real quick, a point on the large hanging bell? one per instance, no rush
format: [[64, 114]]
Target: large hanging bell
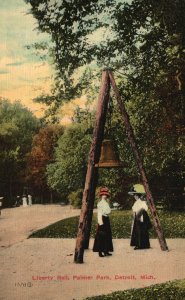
[[109, 156]]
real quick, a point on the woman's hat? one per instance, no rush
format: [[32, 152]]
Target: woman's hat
[[104, 191], [138, 189]]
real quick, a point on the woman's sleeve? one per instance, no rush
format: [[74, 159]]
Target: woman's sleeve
[[134, 208], [145, 206], [100, 219]]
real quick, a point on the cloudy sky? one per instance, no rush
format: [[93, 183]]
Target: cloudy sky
[[22, 74]]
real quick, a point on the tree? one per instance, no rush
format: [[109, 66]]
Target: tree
[[39, 157], [68, 25], [141, 36], [67, 173], [17, 127]]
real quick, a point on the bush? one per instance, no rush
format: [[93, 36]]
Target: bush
[[170, 290], [75, 198]]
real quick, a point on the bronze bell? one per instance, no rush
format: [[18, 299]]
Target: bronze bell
[[109, 156]]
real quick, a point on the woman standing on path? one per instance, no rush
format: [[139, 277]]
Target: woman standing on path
[[141, 222], [103, 239]]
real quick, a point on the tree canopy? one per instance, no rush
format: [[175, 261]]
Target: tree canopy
[[144, 38], [67, 172], [17, 127], [41, 154]]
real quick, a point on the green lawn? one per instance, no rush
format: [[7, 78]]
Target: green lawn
[[174, 290], [173, 224]]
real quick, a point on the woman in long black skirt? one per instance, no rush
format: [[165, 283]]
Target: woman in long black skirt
[[141, 222], [103, 238]]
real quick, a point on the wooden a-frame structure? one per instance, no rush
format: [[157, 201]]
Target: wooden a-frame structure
[[84, 227]]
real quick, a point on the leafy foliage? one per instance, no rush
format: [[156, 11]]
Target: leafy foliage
[[68, 172], [41, 154], [143, 37], [144, 42], [75, 198], [169, 290], [17, 127]]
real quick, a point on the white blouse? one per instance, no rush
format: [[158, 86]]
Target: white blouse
[[103, 210], [138, 205]]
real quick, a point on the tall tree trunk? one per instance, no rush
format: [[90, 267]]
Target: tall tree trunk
[[10, 190], [90, 182], [51, 196], [133, 144]]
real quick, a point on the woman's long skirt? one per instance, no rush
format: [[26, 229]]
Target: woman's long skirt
[[140, 234], [103, 237]]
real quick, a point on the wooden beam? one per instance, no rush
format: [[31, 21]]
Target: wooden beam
[[139, 162], [90, 209], [90, 182]]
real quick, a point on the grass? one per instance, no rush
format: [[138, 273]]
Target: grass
[[172, 290], [173, 224]]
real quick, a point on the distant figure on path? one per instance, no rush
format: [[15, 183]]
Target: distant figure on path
[[29, 200], [24, 201], [103, 239], [141, 221], [17, 202], [1, 204]]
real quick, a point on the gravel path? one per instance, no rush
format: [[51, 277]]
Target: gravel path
[[44, 268], [17, 223]]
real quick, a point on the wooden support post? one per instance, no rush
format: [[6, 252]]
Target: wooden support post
[[133, 144], [90, 209], [90, 183]]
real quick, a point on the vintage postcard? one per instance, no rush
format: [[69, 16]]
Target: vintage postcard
[[92, 143]]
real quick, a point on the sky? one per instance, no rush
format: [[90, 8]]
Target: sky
[[23, 76]]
